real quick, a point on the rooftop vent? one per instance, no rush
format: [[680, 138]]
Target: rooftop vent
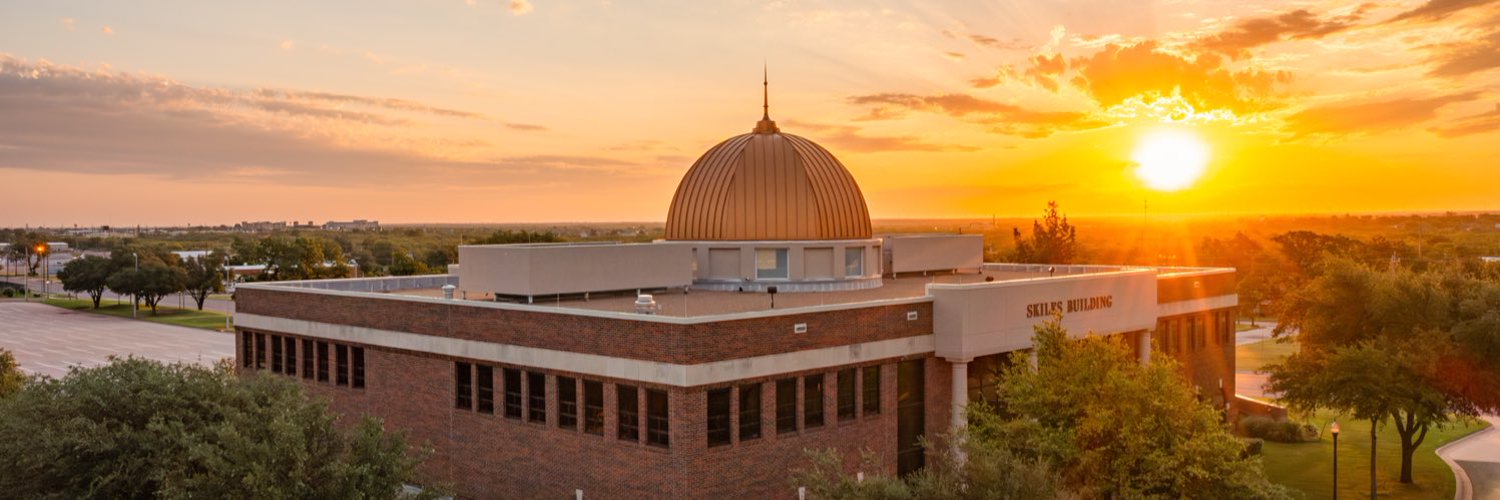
[[448, 291], [646, 304]]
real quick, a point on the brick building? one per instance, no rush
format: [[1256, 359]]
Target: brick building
[[769, 321]]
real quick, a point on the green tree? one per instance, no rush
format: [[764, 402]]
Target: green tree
[[202, 276], [153, 281], [23, 247], [89, 274], [987, 471], [136, 428], [11, 377], [1053, 239], [404, 264]]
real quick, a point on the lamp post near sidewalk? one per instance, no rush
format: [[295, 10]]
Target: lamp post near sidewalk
[[1335, 430]]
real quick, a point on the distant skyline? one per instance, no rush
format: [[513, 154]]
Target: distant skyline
[[176, 112]]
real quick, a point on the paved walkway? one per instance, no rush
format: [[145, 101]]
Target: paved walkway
[[1476, 463], [47, 340], [1248, 382]]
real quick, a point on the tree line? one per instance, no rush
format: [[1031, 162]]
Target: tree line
[[145, 274]]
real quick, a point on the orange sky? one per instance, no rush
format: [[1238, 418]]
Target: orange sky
[[483, 111]]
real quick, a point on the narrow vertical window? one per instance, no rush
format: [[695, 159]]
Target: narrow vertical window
[[872, 390], [307, 358], [567, 403], [593, 407], [718, 417], [486, 379], [658, 430], [322, 361], [629, 401], [854, 262], [536, 397], [512, 392], [247, 349], [463, 386], [812, 401], [749, 411], [275, 354], [358, 366], [260, 350], [291, 355], [846, 394], [786, 405], [342, 366]]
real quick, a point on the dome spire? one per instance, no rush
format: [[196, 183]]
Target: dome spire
[[765, 126]]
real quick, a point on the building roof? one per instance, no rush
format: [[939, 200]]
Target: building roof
[[768, 185]]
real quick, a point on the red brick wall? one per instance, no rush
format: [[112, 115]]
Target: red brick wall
[[645, 340]]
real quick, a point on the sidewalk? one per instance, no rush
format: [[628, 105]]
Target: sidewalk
[[1476, 463]]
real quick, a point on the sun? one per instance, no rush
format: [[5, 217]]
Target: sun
[[1170, 159]]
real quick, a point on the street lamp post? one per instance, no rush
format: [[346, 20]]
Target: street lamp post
[[135, 298], [1372, 460], [41, 253], [1335, 430], [26, 276]]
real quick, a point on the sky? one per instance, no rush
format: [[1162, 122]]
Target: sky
[[188, 112]]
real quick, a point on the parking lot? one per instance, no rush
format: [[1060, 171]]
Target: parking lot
[[47, 340]]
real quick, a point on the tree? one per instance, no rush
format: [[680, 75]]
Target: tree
[[23, 247], [1053, 239], [202, 276], [136, 428], [89, 274], [987, 471], [11, 377], [150, 283]]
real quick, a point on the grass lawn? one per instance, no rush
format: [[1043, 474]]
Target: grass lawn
[[190, 317], [1308, 467]]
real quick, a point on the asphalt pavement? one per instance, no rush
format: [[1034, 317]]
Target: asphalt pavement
[[47, 340], [174, 300]]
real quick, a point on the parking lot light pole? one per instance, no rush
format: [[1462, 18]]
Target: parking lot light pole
[[41, 254], [1335, 430], [134, 298]]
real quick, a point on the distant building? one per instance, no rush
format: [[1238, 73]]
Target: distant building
[[190, 254], [1490, 259], [260, 226], [56, 247], [358, 224]]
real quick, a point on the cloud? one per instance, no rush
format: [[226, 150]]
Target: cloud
[[1435, 10], [526, 127], [288, 45], [997, 116], [956, 56], [848, 138], [1299, 24], [379, 102], [1472, 124], [107, 30], [1120, 72], [69, 24], [988, 41], [520, 7], [1458, 59], [1371, 117]]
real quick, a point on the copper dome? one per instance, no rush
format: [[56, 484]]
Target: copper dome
[[767, 185]]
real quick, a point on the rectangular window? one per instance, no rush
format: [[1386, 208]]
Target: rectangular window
[[260, 351], [247, 348], [567, 403], [749, 411], [854, 261], [812, 401], [629, 400], [486, 399], [290, 350], [846, 394], [593, 407], [872, 390], [771, 263], [512, 392], [718, 417], [322, 361], [536, 397], [359, 366], [657, 426], [275, 354], [786, 405], [343, 363], [307, 358], [463, 386]]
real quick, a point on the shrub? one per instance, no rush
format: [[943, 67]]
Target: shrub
[[1253, 446], [7, 293], [1279, 431]]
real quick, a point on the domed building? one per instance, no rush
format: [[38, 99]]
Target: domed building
[[769, 208]]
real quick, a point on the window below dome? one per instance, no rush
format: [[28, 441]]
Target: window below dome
[[854, 261], [771, 263]]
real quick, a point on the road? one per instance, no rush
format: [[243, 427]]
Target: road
[[1476, 463], [211, 304], [47, 340]]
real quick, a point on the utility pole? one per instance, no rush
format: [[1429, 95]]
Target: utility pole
[[135, 301]]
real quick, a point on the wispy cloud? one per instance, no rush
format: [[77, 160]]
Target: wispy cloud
[[1371, 117], [849, 138], [520, 7], [69, 24]]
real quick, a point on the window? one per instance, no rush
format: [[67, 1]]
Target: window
[[593, 407], [290, 350], [359, 366], [718, 417], [786, 405], [749, 411], [247, 348], [343, 363], [536, 397], [486, 399], [872, 390], [657, 431], [629, 400], [846, 394], [770, 263], [307, 358], [260, 350], [322, 361], [854, 261], [463, 388], [812, 401], [512, 392], [567, 403], [275, 354]]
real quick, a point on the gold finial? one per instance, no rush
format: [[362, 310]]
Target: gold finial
[[766, 126]]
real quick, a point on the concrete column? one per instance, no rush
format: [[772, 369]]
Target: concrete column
[[960, 392], [1145, 347]]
